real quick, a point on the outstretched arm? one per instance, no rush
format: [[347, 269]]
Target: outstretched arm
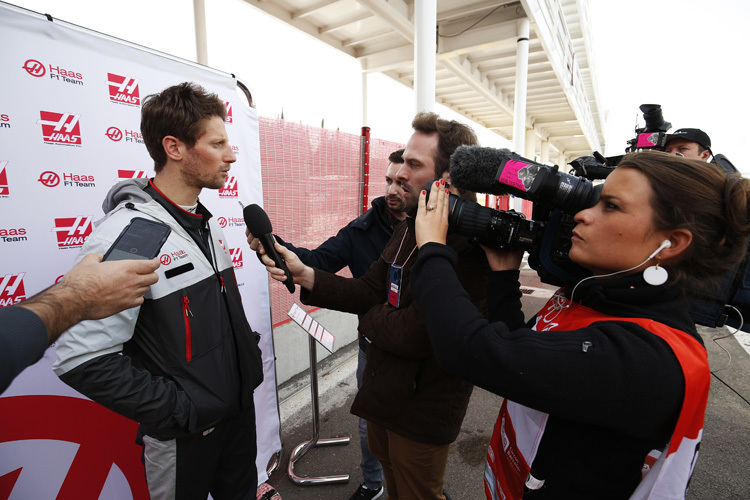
[[92, 290]]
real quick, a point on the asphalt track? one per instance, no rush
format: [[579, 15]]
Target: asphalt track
[[721, 472]]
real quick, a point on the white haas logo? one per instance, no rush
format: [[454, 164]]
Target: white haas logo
[[72, 231], [230, 187], [12, 290], [123, 89], [60, 127], [236, 254]]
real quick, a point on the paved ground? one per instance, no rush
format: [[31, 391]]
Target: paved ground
[[722, 467]]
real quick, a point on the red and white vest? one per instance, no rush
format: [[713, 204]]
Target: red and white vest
[[519, 429]]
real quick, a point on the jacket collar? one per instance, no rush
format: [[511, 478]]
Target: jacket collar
[[186, 219]]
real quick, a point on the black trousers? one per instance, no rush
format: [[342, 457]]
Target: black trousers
[[219, 461]]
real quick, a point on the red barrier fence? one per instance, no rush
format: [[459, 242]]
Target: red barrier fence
[[312, 186]]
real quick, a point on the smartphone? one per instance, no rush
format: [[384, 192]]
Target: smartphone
[[141, 239]]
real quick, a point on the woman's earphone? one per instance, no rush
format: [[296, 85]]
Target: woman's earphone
[[655, 275]]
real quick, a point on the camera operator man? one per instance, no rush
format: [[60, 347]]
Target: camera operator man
[[695, 143], [413, 408], [185, 363], [357, 245]]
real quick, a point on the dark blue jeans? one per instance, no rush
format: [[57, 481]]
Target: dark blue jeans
[[372, 471]]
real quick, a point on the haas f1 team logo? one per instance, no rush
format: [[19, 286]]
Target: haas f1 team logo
[[123, 175], [123, 89], [229, 118], [49, 178], [11, 289], [60, 128], [79, 460], [34, 68], [236, 254], [4, 188], [114, 134], [230, 188], [72, 231]]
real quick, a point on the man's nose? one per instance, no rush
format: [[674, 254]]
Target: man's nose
[[402, 174]]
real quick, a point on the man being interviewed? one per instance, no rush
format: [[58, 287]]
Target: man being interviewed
[[185, 363]]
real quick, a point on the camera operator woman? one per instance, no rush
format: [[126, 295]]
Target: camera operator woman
[[611, 371]]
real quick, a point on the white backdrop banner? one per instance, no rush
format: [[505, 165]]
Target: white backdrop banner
[[69, 130]]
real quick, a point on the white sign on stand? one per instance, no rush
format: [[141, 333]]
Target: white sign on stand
[[312, 327]]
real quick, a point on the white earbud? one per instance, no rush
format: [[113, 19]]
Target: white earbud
[[656, 275], [664, 244]]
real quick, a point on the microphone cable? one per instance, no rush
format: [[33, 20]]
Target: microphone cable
[[716, 341]]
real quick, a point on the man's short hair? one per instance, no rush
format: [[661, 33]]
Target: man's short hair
[[451, 134], [397, 156], [179, 111]]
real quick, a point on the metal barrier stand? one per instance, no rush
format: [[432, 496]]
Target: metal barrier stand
[[305, 446]]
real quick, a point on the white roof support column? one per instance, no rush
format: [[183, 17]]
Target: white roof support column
[[530, 146], [201, 39], [519, 106], [425, 49], [364, 98], [522, 78], [544, 154], [561, 160]]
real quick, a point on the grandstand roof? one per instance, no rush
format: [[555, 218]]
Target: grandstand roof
[[476, 58]]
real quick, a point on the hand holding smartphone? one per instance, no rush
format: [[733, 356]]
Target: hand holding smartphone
[[141, 239]]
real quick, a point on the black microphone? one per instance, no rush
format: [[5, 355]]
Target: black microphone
[[502, 172], [258, 223]]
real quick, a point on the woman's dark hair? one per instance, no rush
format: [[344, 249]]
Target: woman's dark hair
[[697, 196], [179, 111]]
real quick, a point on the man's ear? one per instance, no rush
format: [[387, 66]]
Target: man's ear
[[705, 155], [172, 147]]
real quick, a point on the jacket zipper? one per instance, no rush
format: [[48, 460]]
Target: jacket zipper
[[188, 335]]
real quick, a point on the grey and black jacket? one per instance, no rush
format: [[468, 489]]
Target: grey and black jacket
[[187, 358]]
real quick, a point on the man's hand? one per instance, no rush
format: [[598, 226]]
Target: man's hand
[[254, 242], [302, 275], [110, 287], [93, 290]]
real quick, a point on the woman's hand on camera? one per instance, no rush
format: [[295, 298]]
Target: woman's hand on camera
[[432, 216], [503, 260]]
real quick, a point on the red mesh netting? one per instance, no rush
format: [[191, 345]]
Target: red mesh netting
[[312, 187]]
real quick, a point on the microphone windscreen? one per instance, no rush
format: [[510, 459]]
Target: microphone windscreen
[[257, 220], [474, 168]]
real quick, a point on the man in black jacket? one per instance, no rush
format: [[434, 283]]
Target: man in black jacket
[[185, 363], [358, 245], [414, 409]]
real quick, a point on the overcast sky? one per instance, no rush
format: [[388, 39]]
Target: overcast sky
[[687, 55]]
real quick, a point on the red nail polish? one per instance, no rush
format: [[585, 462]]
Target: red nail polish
[[424, 192], [442, 182], [447, 191]]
